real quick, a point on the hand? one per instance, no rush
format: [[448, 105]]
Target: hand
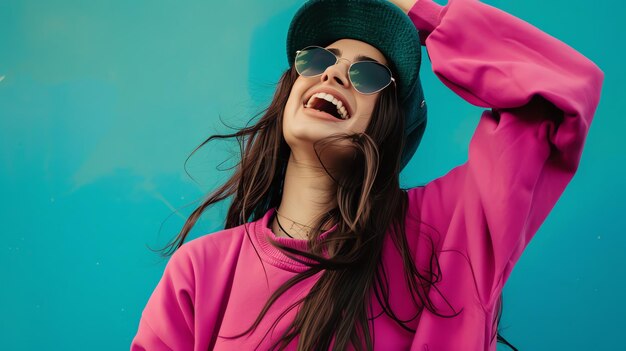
[[404, 5]]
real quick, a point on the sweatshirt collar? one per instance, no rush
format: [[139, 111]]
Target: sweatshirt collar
[[274, 255]]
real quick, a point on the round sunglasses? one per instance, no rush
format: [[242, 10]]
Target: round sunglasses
[[367, 77]]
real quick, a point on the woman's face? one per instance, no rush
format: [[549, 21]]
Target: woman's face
[[303, 125]]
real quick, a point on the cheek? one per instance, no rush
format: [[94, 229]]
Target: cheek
[[294, 102], [367, 109], [295, 97]]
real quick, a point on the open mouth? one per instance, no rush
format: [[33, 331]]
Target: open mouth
[[327, 103]]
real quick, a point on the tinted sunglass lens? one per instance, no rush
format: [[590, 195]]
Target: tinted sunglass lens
[[313, 61], [368, 77]]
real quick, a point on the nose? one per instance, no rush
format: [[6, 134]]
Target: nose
[[338, 72]]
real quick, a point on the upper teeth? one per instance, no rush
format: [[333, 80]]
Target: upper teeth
[[328, 97]]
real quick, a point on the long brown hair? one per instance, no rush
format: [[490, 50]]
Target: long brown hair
[[369, 201]]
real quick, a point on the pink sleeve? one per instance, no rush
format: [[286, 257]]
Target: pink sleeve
[[541, 96], [167, 321]]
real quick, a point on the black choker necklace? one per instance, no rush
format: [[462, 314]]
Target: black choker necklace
[[281, 227]]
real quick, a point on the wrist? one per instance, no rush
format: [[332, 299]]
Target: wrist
[[405, 5]]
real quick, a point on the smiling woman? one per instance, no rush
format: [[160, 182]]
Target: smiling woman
[[321, 248]]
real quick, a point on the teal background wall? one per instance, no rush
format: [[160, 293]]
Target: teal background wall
[[101, 102]]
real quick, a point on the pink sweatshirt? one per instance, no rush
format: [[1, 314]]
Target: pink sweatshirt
[[540, 95]]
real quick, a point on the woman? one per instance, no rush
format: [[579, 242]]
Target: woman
[[322, 249]]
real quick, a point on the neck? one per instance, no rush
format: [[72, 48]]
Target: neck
[[308, 192]]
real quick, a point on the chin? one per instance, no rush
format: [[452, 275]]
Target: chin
[[305, 133], [302, 136]]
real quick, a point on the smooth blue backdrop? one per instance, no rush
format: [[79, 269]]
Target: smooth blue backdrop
[[102, 101]]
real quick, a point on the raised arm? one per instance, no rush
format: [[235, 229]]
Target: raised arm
[[541, 96]]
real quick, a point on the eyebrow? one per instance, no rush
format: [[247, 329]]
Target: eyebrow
[[358, 58]]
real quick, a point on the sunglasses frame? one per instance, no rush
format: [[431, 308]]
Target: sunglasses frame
[[391, 80]]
